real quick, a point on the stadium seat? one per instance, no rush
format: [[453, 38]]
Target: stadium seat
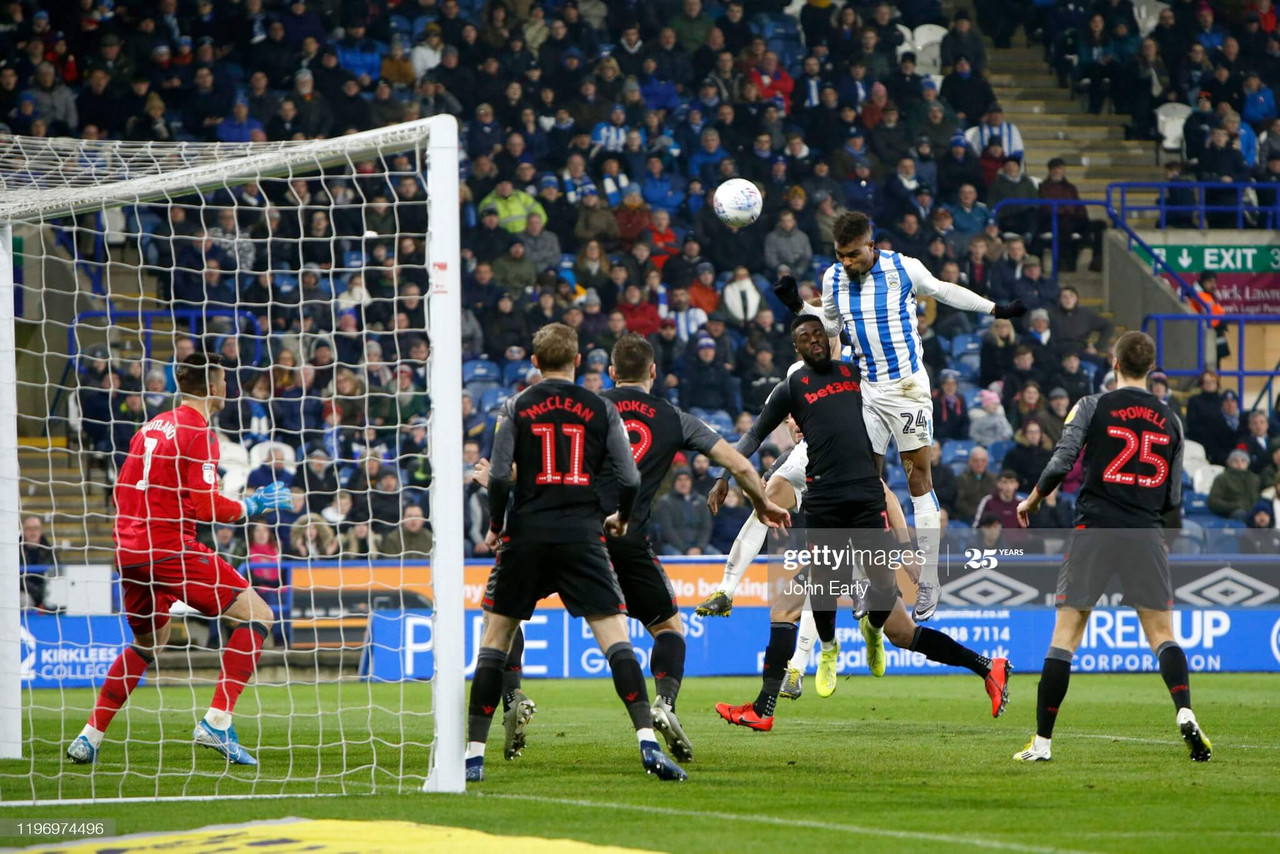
[[1222, 541], [970, 366], [929, 58], [957, 450], [965, 343], [897, 478], [261, 452], [1195, 502], [1204, 476], [998, 450], [720, 421], [493, 398], [1193, 450], [973, 398], [1169, 121], [928, 34], [481, 369], [1090, 370], [513, 372], [477, 389]]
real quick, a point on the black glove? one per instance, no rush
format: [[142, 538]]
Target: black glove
[[786, 290], [1017, 308]]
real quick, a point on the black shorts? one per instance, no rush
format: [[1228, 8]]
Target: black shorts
[[1137, 556], [852, 525], [648, 592], [525, 572]]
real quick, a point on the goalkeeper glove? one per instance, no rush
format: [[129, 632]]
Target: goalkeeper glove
[[265, 498], [786, 290], [1017, 308]]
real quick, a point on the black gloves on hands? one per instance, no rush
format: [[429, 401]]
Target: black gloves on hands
[[1017, 308], [788, 292]]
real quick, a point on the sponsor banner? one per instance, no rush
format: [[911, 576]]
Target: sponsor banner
[[61, 651], [560, 646]]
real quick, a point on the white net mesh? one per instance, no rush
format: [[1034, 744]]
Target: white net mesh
[[305, 267]]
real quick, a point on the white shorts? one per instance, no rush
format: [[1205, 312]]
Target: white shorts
[[899, 409], [792, 470]]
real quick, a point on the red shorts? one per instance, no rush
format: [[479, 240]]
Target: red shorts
[[196, 576]]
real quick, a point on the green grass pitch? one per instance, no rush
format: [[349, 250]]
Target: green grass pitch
[[909, 762]]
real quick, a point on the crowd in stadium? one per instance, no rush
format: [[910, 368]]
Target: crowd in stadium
[[594, 135]]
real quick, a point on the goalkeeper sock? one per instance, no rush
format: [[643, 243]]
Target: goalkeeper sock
[[1054, 678], [782, 645], [1173, 667], [239, 659], [804, 642], [628, 681], [123, 676], [513, 671], [941, 648], [927, 521], [486, 693], [744, 550], [667, 663]]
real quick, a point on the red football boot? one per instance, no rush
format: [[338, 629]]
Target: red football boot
[[998, 685], [744, 715]]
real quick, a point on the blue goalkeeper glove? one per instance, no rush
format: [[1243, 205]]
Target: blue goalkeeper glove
[[265, 498]]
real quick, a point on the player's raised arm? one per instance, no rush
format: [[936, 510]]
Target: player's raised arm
[[618, 447], [788, 291], [956, 296], [775, 411], [1064, 456], [504, 449]]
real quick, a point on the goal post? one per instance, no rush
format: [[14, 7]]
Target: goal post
[[53, 186]]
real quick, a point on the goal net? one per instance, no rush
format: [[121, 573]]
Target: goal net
[[325, 273]]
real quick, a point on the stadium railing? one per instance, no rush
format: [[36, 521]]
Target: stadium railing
[[1187, 292], [1241, 204], [1154, 325]]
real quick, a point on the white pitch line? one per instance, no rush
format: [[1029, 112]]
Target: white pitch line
[[809, 824], [1168, 741]]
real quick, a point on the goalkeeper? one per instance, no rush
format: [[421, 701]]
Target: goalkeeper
[[168, 483]]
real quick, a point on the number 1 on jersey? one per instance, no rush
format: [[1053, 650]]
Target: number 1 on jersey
[[577, 434]]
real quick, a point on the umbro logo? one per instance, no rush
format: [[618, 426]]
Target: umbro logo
[[987, 587], [1227, 586]]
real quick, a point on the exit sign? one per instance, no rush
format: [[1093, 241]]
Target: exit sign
[[1217, 259]]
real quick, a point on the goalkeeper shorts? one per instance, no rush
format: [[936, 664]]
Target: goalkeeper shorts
[[196, 576]]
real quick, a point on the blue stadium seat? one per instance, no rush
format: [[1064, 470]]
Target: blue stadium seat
[[972, 398], [970, 366], [997, 450], [1211, 522], [481, 369], [566, 260], [957, 450], [720, 421], [1090, 370], [493, 398], [965, 343], [897, 478], [513, 372], [958, 467], [353, 260], [1224, 541], [1194, 502], [478, 389]]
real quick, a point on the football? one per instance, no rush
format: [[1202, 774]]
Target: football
[[738, 202]]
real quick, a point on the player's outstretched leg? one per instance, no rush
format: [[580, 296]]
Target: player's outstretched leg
[[123, 676], [1055, 676], [239, 660], [759, 715], [517, 709], [824, 680], [745, 547], [928, 518], [667, 663], [903, 633], [793, 683]]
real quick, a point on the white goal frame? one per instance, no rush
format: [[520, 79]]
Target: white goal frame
[[222, 166]]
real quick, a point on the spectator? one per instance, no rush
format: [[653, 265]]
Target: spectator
[[150, 125], [969, 214], [1014, 183], [707, 383], [1235, 490], [944, 480], [1025, 370], [725, 525], [682, 517], [412, 538], [1255, 442], [998, 345], [240, 126], [963, 44], [1028, 405], [967, 91], [1074, 226], [514, 272], [950, 413], [1261, 538], [542, 247], [1204, 408], [1000, 504], [595, 221], [973, 484], [702, 290], [1074, 324], [760, 378], [1029, 455], [989, 424], [787, 245], [993, 127], [639, 315], [740, 298], [1224, 430], [1071, 378], [312, 538], [956, 169], [36, 550]]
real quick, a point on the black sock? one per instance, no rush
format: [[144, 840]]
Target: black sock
[[486, 692], [825, 621], [1173, 667], [782, 645], [667, 663], [628, 681], [1052, 690], [877, 619], [941, 648], [513, 670]]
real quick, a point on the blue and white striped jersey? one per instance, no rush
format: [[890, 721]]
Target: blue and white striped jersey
[[879, 313]]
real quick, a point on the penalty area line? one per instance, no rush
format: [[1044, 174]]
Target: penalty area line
[[976, 842]]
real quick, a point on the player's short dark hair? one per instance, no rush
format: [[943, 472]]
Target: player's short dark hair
[[555, 345], [631, 358], [804, 318], [851, 227], [192, 374], [1135, 354]]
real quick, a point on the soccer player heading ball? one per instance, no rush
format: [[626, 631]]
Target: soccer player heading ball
[[168, 483]]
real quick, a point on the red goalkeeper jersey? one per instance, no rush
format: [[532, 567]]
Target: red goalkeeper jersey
[[168, 483]]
